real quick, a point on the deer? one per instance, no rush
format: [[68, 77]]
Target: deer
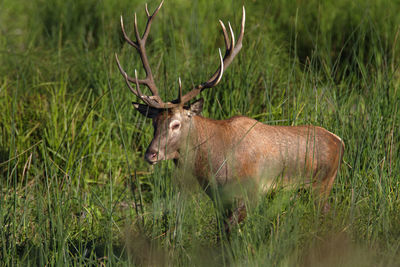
[[235, 156]]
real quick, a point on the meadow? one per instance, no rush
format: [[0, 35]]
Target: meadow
[[76, 191]]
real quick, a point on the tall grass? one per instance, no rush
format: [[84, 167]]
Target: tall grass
[[75, 189]]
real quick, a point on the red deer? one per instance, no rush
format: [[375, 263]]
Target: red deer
[[236, 153]]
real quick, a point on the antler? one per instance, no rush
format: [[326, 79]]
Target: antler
[[140, 45], [155, 100], [232, 50]]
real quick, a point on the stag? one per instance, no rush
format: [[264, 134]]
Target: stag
[[234, 156]]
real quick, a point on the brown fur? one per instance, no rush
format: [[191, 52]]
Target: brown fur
[[263, 152], [243, 156]]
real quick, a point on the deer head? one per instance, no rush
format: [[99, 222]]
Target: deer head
[[171, 120]]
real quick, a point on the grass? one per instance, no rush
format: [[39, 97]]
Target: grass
[[75, 189]]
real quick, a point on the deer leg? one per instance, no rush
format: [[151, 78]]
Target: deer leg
[[324, 189], [235, 217], [328, 189]]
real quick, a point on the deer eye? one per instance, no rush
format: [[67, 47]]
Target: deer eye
[[175, 125]]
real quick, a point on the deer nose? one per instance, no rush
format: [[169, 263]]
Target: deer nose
[[151, 156]]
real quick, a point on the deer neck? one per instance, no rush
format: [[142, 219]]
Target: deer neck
[[204, 135]]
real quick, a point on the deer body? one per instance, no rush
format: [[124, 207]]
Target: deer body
[[241, 148], [235, 156], [243, 153]]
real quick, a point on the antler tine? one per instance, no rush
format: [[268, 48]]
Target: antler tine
[[129, 41], [221, 72], [226, 37], [137, 34], [147, 10], [232, 50], [150, 20], [137, 84], [123, 73], [242, 26], [232, 36], [180, 90]]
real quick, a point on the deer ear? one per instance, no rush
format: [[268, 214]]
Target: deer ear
[[146, 110], [197, 107]]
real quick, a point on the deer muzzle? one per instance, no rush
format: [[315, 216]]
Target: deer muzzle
[[153, 156]]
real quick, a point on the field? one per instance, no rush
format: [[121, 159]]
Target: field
[[75, 189]]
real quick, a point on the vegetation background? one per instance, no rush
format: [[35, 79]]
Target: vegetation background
[[75, 189]]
